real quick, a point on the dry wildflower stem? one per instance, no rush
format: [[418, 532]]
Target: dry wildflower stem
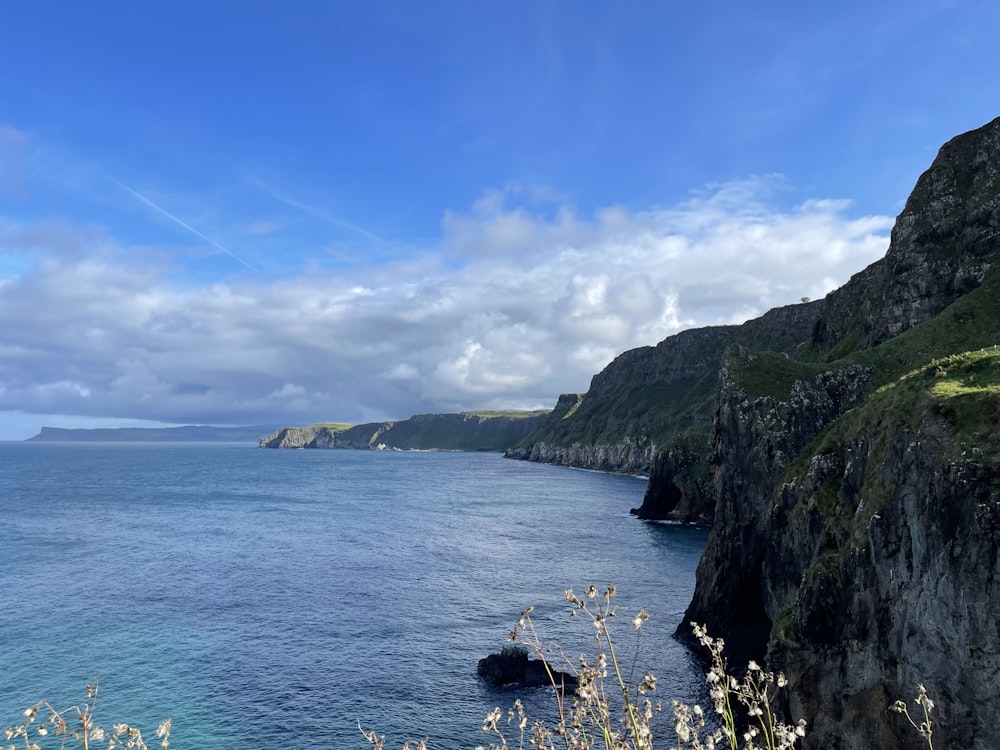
[[753, 696], [592, 717], [926, 727], [610, 708], [590, 720], [76, 723]]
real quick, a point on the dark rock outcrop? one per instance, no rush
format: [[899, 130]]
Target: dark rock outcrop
[[681, 485], [512, 666], [755, 439]]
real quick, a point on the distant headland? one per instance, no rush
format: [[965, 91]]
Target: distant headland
[[186, 434], [464, 431]]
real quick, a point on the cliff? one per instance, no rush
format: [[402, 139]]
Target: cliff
[[942, 244], [880, 569], [651, 411], [657, 399], [856, 483], [465, 431], [847, 453]]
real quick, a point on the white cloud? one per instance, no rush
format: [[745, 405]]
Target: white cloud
[[516, 305]]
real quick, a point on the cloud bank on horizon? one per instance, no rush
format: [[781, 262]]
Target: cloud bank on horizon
[[365, 213]]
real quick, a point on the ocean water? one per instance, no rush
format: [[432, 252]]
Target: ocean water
[[265, 598]]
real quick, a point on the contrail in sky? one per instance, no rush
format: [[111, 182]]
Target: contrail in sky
[[174, 219], [314, 212]]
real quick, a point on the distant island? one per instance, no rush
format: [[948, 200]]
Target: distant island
[[186, 434]]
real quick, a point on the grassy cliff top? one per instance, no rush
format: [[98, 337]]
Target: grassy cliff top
[[509, 413], [970, 323], [962, 389]]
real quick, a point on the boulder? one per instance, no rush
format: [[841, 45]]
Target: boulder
[[513, 667]]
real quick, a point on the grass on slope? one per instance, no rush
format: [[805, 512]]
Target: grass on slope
[[970, 323], [963, 389], [511, 413], [659, 410]]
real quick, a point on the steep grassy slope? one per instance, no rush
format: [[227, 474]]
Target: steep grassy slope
[[971, 322], [653, 397]]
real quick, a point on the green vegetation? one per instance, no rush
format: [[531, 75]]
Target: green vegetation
[[656, 411], [572, 410], [970, 323], [964, 389], [784, 629], [766, 374], [333, 426], [509, 413], [846, 346]]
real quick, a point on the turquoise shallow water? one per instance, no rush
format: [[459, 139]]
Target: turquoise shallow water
[[268, 598]]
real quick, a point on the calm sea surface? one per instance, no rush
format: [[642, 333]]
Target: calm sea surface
[[266, 598]]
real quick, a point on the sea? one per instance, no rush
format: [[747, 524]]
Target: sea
[[283, 598]]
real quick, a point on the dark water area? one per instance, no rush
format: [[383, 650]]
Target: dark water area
[[277, 598]]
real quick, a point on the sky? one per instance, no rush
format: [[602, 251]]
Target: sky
[[246, 212]]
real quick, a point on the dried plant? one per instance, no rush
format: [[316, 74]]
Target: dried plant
[[925, 727], [76, 724], [752, 696], [604, 706], [610, 707]]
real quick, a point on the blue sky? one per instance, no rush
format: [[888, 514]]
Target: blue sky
[[250, 212]]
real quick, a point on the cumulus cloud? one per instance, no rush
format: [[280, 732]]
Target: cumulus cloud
[[519, 301]]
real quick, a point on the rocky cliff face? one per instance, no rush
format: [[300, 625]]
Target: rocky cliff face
[[755, 440], [627, 455], [942, 244], [360, 437], [855, 542], [881, 569], [680, 486]]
